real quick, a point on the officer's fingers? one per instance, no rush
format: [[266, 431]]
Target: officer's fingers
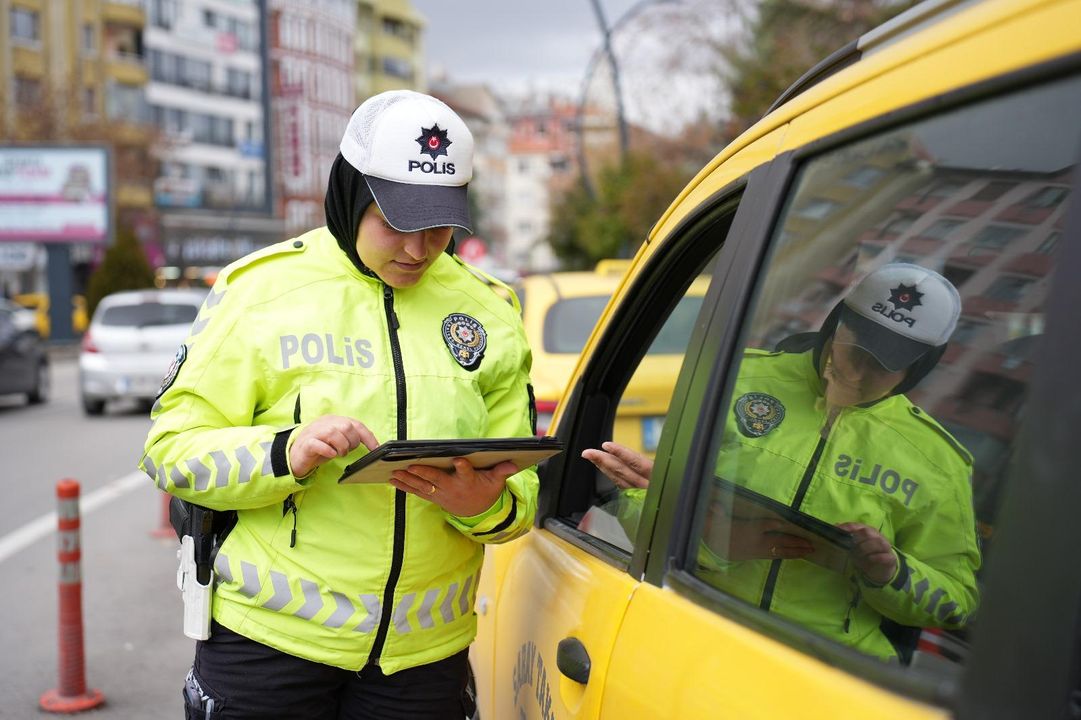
[[411, 486], [339, 440], [499, 473], [426, 475], [316, 447], [412, 482], [367, 437]]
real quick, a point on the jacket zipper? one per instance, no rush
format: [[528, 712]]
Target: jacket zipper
[[399, 496], [775, 566], [290, 504]]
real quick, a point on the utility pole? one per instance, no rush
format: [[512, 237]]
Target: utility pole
[[621, 119]]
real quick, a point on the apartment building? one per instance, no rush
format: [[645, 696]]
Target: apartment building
[[72, 72], [389, 47], [207, 94], [312, 97], [540, 164]]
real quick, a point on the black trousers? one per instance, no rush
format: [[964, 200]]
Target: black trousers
[[234, 678]]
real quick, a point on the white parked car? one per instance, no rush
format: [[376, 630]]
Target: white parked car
[[131, 342]]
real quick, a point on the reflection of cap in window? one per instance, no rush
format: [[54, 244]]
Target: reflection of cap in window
[[901, 311]]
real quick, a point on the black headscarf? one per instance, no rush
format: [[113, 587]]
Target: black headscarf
[[347, 198]]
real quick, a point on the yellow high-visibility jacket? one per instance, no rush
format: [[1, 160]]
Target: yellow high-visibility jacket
[[342, 574], [889, 465]]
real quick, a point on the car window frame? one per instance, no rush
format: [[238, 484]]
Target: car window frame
[[687, 445], [586, 415]]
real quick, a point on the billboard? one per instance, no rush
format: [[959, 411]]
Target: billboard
[[54, 194]]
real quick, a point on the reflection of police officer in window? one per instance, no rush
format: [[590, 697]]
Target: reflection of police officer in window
[[822, 426]]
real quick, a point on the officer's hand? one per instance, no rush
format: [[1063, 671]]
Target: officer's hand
[[325, 438], [762, 539], [465, 492], [623, 466], [872, 554]]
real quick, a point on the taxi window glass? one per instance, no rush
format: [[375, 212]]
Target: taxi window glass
[[148, 314], [638, 421], [870, 423], [570, 321]]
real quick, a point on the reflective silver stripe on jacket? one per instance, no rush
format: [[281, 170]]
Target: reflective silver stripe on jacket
[[334, 609], [197, 473]]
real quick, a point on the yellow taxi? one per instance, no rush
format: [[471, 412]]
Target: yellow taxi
[[39, 303], [946, 139], [559, 312]]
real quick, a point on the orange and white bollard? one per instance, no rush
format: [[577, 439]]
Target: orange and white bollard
[[71, 695]]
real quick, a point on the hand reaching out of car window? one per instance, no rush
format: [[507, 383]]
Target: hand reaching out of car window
[[326, 438], [623, 466]]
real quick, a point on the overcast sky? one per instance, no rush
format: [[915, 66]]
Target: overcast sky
[[511, 44], [545, 46]]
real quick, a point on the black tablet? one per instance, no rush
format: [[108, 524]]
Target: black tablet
[[376, 466], [832, 544]]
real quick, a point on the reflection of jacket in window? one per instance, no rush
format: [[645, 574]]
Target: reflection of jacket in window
[[889, 466], [295, 332]]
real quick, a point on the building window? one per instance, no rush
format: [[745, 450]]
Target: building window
[[942, 229], [898, 223], [195, 74], [1008, 289], [90, 102], [992, 191], [396, 67], [221, 130], [1048, 245], [993, 238], [818, 209], [238, 83], [957, 275], [945, 188], [864, 177], [397, 28], [25, 25], [90, 41], [1047, 197], [27, 91], [162, 13], [123, 42], [126, 102]]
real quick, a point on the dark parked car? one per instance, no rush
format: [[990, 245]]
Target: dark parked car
[[24, 364]]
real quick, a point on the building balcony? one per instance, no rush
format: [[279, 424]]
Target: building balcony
[[124, 12], [128, 70]]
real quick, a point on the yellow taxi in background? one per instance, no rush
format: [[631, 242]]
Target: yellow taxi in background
[[39, 303], [559, 311], [947, 138]]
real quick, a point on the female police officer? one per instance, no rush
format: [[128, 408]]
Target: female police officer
[[349, 601]]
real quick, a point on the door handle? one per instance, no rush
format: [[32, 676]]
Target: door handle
[[573, 660]]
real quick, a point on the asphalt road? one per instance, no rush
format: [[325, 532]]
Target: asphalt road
[[135, 652]]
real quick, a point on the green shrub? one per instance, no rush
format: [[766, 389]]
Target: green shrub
[[124, 267]]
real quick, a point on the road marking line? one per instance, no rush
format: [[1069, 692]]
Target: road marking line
[[34, 530]]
